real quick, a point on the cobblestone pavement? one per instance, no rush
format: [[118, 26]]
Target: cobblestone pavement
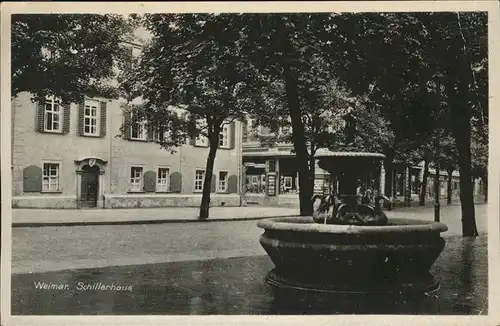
[[41, 249], [237, 286]]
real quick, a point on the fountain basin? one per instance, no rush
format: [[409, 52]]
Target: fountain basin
[[388, 259]]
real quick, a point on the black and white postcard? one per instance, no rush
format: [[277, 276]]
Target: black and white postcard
[[250, 162]]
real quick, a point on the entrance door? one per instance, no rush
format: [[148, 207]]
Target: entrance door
[[89, 186]]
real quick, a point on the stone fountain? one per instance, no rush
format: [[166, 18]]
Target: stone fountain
[[348, 246]]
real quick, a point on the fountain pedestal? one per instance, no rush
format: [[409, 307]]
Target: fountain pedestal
[[352, 259], [367, 256]]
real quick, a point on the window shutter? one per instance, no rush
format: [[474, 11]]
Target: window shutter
[[32, 179], [213, 183], [161, 132], [103, 116], [126, 124], [149, 130], [40, 123], [232, 184], [232, 137], [150, 181], [81, 114], [176, 182], [67, 116]]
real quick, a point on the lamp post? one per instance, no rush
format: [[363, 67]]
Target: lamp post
[[437, 145]]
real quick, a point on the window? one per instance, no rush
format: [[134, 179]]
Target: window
[[138, 131], [161, 135], [224, 136], [162, 182], [52, 115], [199, 178], [222, 183], [50, 179], [90, 118], [136, 178], [201, 141], [272, 165]]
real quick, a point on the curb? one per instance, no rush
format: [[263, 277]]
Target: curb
[[135, 222]]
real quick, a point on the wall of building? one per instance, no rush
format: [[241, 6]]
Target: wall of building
[[185, 160], [31, 147]]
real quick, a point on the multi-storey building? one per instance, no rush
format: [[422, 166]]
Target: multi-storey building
[[73, 155]]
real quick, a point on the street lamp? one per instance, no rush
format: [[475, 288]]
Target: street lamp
[[437, 145]]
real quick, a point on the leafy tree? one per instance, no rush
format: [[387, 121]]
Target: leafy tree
[[67, 55], [193, 81], [399, 55], [286, 48], [465, 99]]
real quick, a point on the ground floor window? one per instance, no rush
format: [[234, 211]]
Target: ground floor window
[[199, 178], [288, 184], [136, 178], [162, 184], [256, 184], [50, 180], [222, 182]]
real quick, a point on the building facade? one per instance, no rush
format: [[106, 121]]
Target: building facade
[[75, 156]]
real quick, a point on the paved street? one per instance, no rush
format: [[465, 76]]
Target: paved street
[[40, 249], [237, 286], [208, 268]]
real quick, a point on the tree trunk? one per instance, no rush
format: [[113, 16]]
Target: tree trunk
[[461, 126], [209, 168], [306, 183], [437, 184], [469, 228], [449, 185], [457, 68], [423, 190]]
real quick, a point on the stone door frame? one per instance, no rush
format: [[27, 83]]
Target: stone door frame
[[91, 161]]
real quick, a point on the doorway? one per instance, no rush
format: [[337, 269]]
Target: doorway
[[89, 186]]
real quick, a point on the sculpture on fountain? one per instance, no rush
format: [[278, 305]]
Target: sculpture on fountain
[[348, 207], [328, 209]]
